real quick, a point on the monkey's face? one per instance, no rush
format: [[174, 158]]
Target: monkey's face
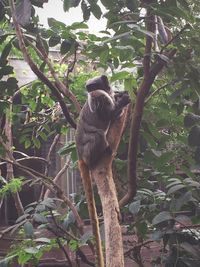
[[99, 100]]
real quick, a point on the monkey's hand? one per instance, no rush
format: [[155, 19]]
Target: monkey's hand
[[124, 100]]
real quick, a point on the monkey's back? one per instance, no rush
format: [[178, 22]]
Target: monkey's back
[[91, 135]]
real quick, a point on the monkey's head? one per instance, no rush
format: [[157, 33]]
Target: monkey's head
[[100, 100], [98, 83]]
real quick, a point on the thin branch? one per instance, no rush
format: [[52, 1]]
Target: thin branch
[[53, 145], [139, 245], [53, 187], [61, 245], [150, 73], [9, 167], [25, 159], [159, 89], [8, 229], [35, 69], [174, 37], [71, 68], [58, 176], [60, 85]]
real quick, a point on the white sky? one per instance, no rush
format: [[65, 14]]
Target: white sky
[[54, 9]]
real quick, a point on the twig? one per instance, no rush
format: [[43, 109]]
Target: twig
[[53, 145], [58, 176], [70, 69], [9, 167], [60, 245], [60, 85], [79, 251], [174, 37], [53, 187], [8, 229], [28, 158], [158, 90], [143, 244]]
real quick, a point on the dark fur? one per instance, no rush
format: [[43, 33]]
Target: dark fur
[[95, 119], [92, 128]]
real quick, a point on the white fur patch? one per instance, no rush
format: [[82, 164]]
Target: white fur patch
[[90, 103]]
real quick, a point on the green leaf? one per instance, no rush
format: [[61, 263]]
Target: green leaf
[[36, 142], [66, 5], [162, 217], [24, 258], [182, 200], [4, 54], [86, 237], [66, 149], [96, 11], [43, 136], [78, 25], [65, 46], [6, 70], [120, 75], [54, 40], [175, 188], [142, 228], [73, 244], [40, 218], [86, 10], [31, 250], [134, 207], [27, 143], [28, 228], [43, 240]]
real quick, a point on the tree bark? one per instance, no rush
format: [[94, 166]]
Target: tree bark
[[102, 174]]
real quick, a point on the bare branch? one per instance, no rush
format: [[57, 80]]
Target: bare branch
[[58, 176], [174, 38]]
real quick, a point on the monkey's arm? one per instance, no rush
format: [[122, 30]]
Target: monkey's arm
[[122, 100]]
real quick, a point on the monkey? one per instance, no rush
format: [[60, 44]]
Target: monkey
[[99, 111]]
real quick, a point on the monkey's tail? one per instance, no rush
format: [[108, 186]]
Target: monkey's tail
[[87, 183]]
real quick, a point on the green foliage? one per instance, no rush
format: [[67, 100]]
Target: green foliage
[[13, 186]]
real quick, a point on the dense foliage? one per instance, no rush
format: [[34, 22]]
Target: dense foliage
[[166, 208]]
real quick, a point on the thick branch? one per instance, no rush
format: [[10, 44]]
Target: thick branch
[[60, 85], [142, 93], [150, 26]]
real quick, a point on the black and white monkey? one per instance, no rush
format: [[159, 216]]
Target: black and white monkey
[[103, 106]]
